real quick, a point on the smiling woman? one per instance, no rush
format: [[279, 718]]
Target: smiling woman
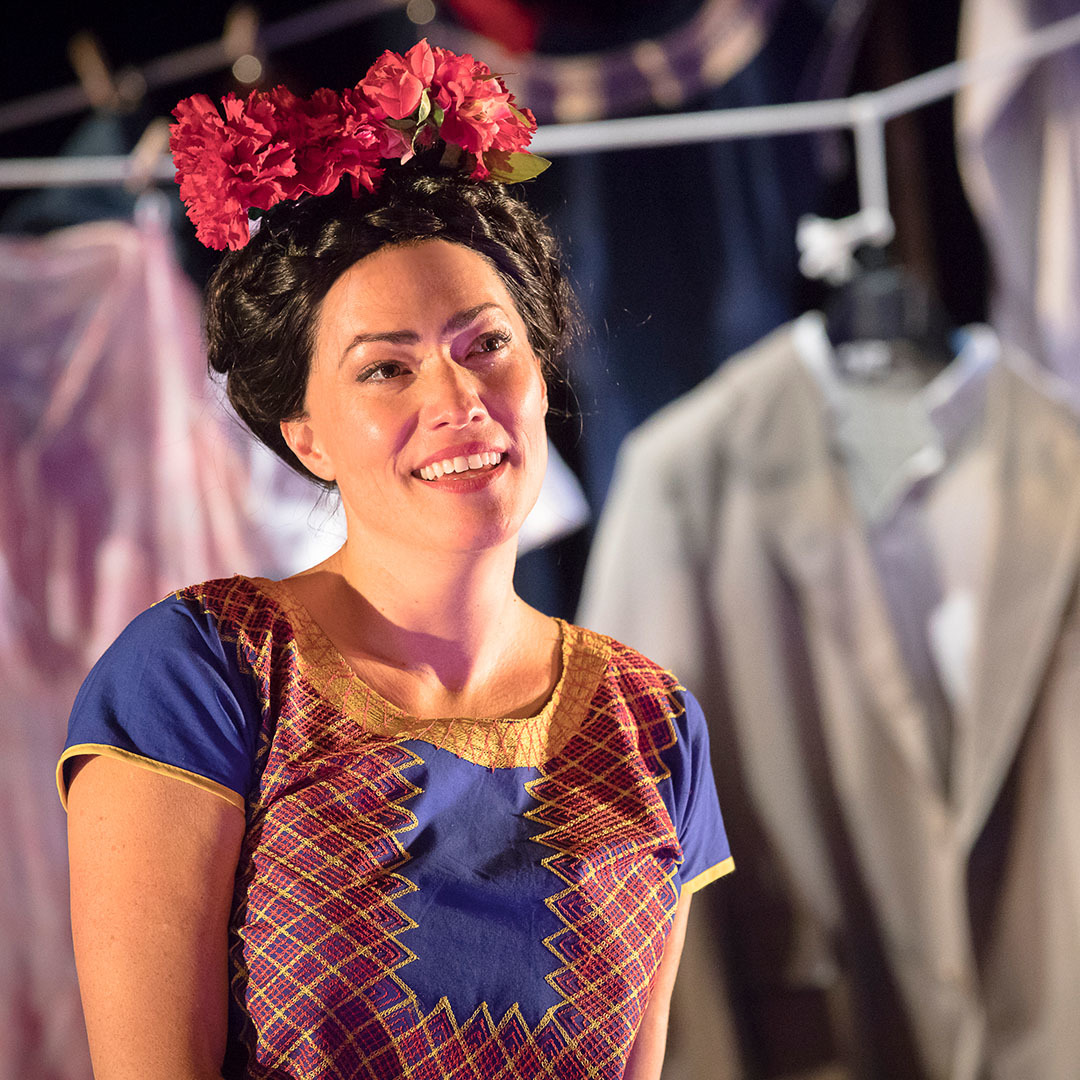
[[264, 301], [383, 819], [451, 379]]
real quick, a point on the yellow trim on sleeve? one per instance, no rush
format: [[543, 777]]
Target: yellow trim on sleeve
[[706, 877], [104, 750]]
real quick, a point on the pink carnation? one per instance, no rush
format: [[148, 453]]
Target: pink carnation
[[227, 166], [395, 83], [479, 113], [332, 135], [274, 146]]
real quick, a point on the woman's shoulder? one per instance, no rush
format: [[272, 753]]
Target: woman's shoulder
[[175, 690], [204, 618], [622, 663], [643, 695], [235, 596], [233, 605], [646, 700]]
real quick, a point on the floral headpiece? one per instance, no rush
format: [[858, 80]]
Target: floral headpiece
[[274, 146]]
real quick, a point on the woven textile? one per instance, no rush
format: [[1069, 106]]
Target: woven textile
[[443, 899]]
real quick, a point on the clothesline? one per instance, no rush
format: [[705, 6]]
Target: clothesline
[[197, 60], [865, 114]]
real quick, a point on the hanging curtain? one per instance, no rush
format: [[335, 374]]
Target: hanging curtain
[[120, 481], [1018, 137]]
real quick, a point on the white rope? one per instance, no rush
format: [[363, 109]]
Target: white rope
[[826, 246], [78, 171]]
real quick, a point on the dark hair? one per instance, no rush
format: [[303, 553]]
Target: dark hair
[[263, 301]]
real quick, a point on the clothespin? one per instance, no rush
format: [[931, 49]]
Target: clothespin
[[145, 156], [93, 71], [827, 248], [240, 42], [103, 89]]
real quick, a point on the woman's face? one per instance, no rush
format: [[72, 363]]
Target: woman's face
[[425, 401]]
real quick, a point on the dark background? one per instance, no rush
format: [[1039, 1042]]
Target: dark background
[[937, 237]]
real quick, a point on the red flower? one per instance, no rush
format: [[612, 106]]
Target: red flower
[[479, 112], [395, 83], [225, 167], [454, 77], [332, 135], [394, 144], [274, 146]]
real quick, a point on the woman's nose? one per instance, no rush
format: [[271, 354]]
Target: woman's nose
[[452, 397]]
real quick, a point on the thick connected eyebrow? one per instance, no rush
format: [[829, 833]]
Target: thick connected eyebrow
[[411, 337]]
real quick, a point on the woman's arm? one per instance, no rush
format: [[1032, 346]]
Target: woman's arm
[[152, 867], [647, 1056]]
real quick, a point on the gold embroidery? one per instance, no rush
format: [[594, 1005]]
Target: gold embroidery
[[491, 742]]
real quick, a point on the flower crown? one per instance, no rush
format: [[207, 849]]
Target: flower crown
[[274, 146]]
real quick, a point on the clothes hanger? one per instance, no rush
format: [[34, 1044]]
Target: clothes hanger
[[879, 315], [884, 303]]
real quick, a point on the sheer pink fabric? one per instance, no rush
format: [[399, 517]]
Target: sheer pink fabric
[[119, 481]]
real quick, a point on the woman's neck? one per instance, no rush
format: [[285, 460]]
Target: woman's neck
[[440, 633]]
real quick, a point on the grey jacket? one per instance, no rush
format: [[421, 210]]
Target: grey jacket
[[872, 920]]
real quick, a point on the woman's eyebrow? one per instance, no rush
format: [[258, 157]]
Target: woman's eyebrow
[[394, 337], [463, 318], [455, 323]]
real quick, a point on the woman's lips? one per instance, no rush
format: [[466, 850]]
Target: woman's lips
[[469, 480], [458, 465]]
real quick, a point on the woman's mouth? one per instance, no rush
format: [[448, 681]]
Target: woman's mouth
[[457, 465]]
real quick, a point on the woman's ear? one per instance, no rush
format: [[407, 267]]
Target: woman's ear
[[300, 437]]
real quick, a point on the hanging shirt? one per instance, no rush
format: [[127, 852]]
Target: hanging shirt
[[1018, 143], [914, 450], [117, 480]]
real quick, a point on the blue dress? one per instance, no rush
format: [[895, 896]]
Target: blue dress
[[419, 898]]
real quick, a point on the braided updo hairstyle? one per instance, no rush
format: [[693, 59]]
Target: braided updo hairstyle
[[263, 300]]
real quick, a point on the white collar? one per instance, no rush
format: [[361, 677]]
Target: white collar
[[942, 411]]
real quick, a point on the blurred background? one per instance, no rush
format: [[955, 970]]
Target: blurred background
[[124, 478], [710, 262]]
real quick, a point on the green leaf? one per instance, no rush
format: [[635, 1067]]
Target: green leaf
[[514, 167], [423, 110], [519, 114], [437, 116], [403, 124]]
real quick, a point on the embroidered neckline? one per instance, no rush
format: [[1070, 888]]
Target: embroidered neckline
[[502, 742]]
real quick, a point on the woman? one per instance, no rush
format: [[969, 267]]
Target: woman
[[382, 819]]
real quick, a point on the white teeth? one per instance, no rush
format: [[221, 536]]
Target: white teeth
[[459, 465]]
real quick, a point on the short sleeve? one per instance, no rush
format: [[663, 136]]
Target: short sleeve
[[694, 806], [170, 695]]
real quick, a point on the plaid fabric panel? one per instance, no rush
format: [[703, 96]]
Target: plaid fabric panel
[[616, 850], [318, 945]]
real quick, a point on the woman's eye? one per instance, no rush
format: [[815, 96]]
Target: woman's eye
[[390, 369], [493, 342]]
